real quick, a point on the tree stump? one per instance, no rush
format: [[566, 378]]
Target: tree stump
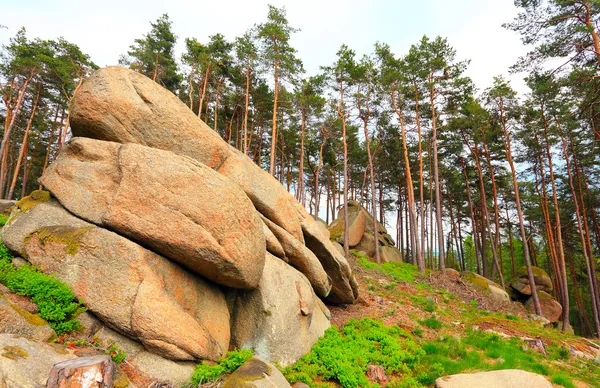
[[88, 372]]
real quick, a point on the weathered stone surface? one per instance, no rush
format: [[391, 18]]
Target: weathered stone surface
[[499, 294], [120, 105], [367, 244], [344, 286], [88, 372], [18, 300], [540, 277], [172, 204], [551, 309], [19, 354], [144, 368], [281, 319], [15, 320], [477, 281], [357, 221], [301, 258], [6, 206], [171, 311], [256, 373], [509, 378], [390, 254], [273, 245]]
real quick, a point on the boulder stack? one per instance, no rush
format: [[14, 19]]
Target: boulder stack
[[520, 290], [174, 239], [362, 234]]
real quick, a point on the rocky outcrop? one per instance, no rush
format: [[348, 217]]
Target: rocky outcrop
[[508, 378], [521, 282], [119, 105], [204, 221], [139, 293], [19, 355], [152, 219], [282, 318], [256, 373], [362, 234]]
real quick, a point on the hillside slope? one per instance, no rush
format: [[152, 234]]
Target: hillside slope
[[421, 327]]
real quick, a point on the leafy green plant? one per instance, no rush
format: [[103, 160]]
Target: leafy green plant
[[343, 355], [3, 219], [117, 354], [432, 323], [205, 373], [56, 301]]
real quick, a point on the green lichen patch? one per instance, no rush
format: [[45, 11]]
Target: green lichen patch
[[479, 282], [32, 200], [336, 230], [33, 319], [14, 352], [63, 234]]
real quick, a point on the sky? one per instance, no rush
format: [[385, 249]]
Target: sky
[[106, 29]]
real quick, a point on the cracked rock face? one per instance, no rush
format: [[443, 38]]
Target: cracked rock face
[[174, 205], [168, 309]]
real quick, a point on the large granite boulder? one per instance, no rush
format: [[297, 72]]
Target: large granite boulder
[[282, 318], [168, 309], [174, 205], [25, 363], [120, 105]]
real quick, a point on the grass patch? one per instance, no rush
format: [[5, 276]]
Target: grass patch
[[3, 219], [205, 373], [432, 323], [343, 355], [403, 272], [563, 380], [56, 301]]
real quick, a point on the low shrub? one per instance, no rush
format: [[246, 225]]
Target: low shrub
[[205, 373], [343, 355], [56, 301]]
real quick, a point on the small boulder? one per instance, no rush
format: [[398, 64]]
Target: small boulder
[[499, 294], [508, 378], [85, 372], [256, 373], [551, 309], [477, 281], [390, 254], [452, 273], [376, 374]]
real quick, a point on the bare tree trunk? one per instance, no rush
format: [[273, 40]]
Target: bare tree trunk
[[415, 251], [24, 144], [436, 177], [508, 149], [203, 94], [248, 74], [274, 132]]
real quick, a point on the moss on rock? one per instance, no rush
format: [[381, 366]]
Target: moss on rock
[[62, 234], [14, 352], [479, 282], [32, 200]]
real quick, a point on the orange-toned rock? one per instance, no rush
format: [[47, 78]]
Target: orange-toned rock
[[120, 105], [174, 205], [168, 309], [88, 372], [551, 309], [301, 258]]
